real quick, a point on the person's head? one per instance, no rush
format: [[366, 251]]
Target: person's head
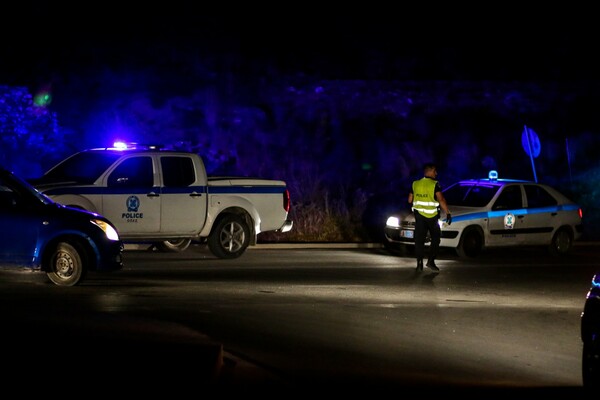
[[430, 170]]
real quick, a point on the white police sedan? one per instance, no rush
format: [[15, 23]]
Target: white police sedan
[[496, 212]]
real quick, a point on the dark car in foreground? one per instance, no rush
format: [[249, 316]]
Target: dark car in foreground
[[494, 212], [40, 234], [590, 335]]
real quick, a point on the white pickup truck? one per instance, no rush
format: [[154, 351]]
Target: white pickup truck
[[165, 198]]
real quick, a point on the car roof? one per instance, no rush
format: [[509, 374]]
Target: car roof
[[129, 150], [494, 181]]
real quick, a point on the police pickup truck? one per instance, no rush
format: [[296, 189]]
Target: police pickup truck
[[165, 198]]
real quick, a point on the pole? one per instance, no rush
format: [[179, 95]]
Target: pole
[[530, 153], [569, 160]]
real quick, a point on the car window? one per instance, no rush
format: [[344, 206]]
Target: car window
[[509, 199], [133, 172], [7, 197], [177, 171], [537, 196], [469, 194]]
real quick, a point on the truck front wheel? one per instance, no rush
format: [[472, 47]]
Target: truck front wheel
[[230, 237], [174, 246]]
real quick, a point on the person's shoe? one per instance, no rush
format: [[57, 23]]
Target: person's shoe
[[431, 265], [419, 265]]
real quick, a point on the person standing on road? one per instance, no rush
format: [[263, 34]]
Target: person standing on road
[[426, 199]]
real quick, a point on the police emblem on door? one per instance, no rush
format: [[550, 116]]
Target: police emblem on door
[[132, 214], [509, 221], [133, 204]]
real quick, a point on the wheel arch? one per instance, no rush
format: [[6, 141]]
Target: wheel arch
[[238, 212], [557, 241], [83, 246], [465, 250]]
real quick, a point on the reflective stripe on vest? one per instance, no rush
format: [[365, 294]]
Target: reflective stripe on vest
[[424, 197]]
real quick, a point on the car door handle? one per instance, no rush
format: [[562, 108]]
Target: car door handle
[[195, 194], [153, 194]]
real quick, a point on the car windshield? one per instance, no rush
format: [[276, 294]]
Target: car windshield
[[84, 168], [470, 194], [10, 183]]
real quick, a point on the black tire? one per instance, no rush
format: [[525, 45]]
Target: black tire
[[562, 243], [471, 243], [590, 364], [406, 250], [174, 246], [230, 237], [399, 249], [65, 265]]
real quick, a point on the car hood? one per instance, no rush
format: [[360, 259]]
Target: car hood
[[456, 211], [67, 212], [43, 186]]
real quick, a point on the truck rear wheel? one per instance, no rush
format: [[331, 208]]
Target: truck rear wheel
[[230, 237]]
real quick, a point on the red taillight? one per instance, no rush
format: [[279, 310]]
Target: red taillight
[[580, 213], [286, 200]]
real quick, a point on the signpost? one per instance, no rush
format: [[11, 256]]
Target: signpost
[[532, 146]]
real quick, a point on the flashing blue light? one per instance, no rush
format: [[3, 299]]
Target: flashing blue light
[[120, 145], [493, 175]]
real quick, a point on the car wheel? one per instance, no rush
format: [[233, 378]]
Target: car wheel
[[397, 249], [174, 246], [471, 243], [562, 243], [590, 363], [65, 266], [407, 250], [230, 237]]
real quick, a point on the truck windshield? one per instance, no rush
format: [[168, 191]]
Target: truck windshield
[[83, 168]]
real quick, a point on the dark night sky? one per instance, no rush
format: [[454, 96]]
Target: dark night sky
[[507, 43]]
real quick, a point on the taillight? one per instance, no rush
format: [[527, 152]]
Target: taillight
[[286, 200], [580, 213]]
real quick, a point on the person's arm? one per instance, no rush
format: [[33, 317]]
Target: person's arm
[[442, 200], [410, 198]]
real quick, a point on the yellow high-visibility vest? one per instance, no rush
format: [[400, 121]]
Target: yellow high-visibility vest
[[424, 201]]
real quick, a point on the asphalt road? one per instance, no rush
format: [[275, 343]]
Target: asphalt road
[[304, 319]]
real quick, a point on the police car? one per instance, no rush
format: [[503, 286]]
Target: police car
[[497, 212], [163, 198]]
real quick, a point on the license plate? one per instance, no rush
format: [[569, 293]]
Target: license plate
[[407, 234]]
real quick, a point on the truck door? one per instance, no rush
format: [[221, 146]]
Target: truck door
[[184, 199], [131, 201]]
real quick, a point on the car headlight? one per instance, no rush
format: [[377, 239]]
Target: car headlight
[[393, 222], [108, 229]]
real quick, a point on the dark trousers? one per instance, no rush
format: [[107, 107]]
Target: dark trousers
[[422, 226]]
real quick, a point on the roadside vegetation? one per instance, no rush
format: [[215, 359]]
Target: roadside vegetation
[[348, 150]]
